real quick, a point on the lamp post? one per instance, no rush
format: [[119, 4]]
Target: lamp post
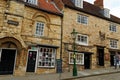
[[73, 34]]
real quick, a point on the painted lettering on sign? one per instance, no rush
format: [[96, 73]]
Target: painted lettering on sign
[[81, 48], [13, 22]]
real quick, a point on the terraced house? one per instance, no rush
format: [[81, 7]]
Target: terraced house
[[35, 36], [30, 36], [98, 35]]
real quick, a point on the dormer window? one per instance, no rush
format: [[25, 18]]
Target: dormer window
[[32, 1], [78, 3], [105, 12]]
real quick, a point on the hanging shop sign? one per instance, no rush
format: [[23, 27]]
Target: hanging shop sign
[[107, 58]]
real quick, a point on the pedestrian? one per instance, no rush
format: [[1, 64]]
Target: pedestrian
[[117, 59]]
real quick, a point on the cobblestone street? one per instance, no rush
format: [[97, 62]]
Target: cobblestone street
[[114, 76]]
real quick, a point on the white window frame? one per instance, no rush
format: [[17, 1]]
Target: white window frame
[[82, 39], [113, 28], [113, 44], [82, 19], [79, 58], [44, 59], [39, 30], [32, 1]]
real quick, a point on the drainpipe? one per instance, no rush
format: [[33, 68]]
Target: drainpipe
[[61, 40], [4, 13]]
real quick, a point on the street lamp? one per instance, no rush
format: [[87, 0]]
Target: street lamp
[[74, 34]]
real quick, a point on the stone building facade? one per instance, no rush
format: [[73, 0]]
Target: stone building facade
[[30, 37], [97, 38], [35, 36]]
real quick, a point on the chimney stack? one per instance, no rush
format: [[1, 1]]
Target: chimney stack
[[99, 3]]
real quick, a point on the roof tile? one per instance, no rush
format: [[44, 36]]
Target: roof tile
[[44, 5], [49, 6]]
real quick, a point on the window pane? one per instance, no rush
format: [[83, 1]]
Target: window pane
[[113, 43], [82, 39], [82, 19], [40, 28], [112, 28]]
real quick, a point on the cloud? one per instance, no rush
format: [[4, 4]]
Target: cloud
[[115, 11], [114, 6]]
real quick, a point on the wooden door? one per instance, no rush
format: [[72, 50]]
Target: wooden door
[[31, 64]]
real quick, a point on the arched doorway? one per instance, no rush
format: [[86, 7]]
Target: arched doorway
[[9, 48]]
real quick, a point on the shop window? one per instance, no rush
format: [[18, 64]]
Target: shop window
[[79, 58], [46, 57]]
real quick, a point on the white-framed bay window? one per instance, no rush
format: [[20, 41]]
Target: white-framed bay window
[[46, 57], [82, 19], [79, 58], [82, 39], [114, 43], [40, 28]]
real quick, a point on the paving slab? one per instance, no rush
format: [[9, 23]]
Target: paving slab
[[62, 76]]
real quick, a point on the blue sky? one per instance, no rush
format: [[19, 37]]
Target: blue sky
[[113, 5]]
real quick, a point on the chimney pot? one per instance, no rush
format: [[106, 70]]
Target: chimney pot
[[99, 3]]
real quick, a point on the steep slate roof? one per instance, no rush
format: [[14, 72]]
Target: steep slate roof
[[90, 9], [44, 6]]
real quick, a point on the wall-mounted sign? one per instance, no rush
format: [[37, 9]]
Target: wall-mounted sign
[[59, 66], [13, 22]]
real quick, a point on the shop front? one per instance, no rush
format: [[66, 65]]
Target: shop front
[[42, 59]]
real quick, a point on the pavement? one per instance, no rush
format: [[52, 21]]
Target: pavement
[[62, 76]]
